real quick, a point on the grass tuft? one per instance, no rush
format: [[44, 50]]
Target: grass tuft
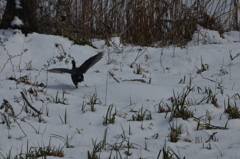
[[93, 100], [141, 115], [109, 118], [232, 110], [175, 132]]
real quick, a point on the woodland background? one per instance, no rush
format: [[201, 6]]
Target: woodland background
[[139, 22]]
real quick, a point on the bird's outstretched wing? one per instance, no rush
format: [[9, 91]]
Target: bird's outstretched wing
[[89, 63], [60, 70]]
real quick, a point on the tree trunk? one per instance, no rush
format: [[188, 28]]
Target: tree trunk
[[236, 14], [23, 13]]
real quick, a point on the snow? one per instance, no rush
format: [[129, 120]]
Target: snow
[[18, 4], [31, 56], [16, 22]]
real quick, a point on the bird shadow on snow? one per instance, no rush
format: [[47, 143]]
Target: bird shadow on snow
[[62, 86]]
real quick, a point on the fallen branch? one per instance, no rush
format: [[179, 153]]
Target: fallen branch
[[29, 104], [233, 57], [112, 75], [211, 137], [208, 79]]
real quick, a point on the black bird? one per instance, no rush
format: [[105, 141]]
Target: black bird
[[77, 72]]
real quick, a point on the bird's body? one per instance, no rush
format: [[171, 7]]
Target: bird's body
[[77, 72]]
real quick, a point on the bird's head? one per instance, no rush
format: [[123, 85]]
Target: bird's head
[[73, 63]]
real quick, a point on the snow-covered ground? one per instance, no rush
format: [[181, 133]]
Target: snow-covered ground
[[69, 123]]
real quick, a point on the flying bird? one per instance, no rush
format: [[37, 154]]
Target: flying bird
[[77, 72]]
